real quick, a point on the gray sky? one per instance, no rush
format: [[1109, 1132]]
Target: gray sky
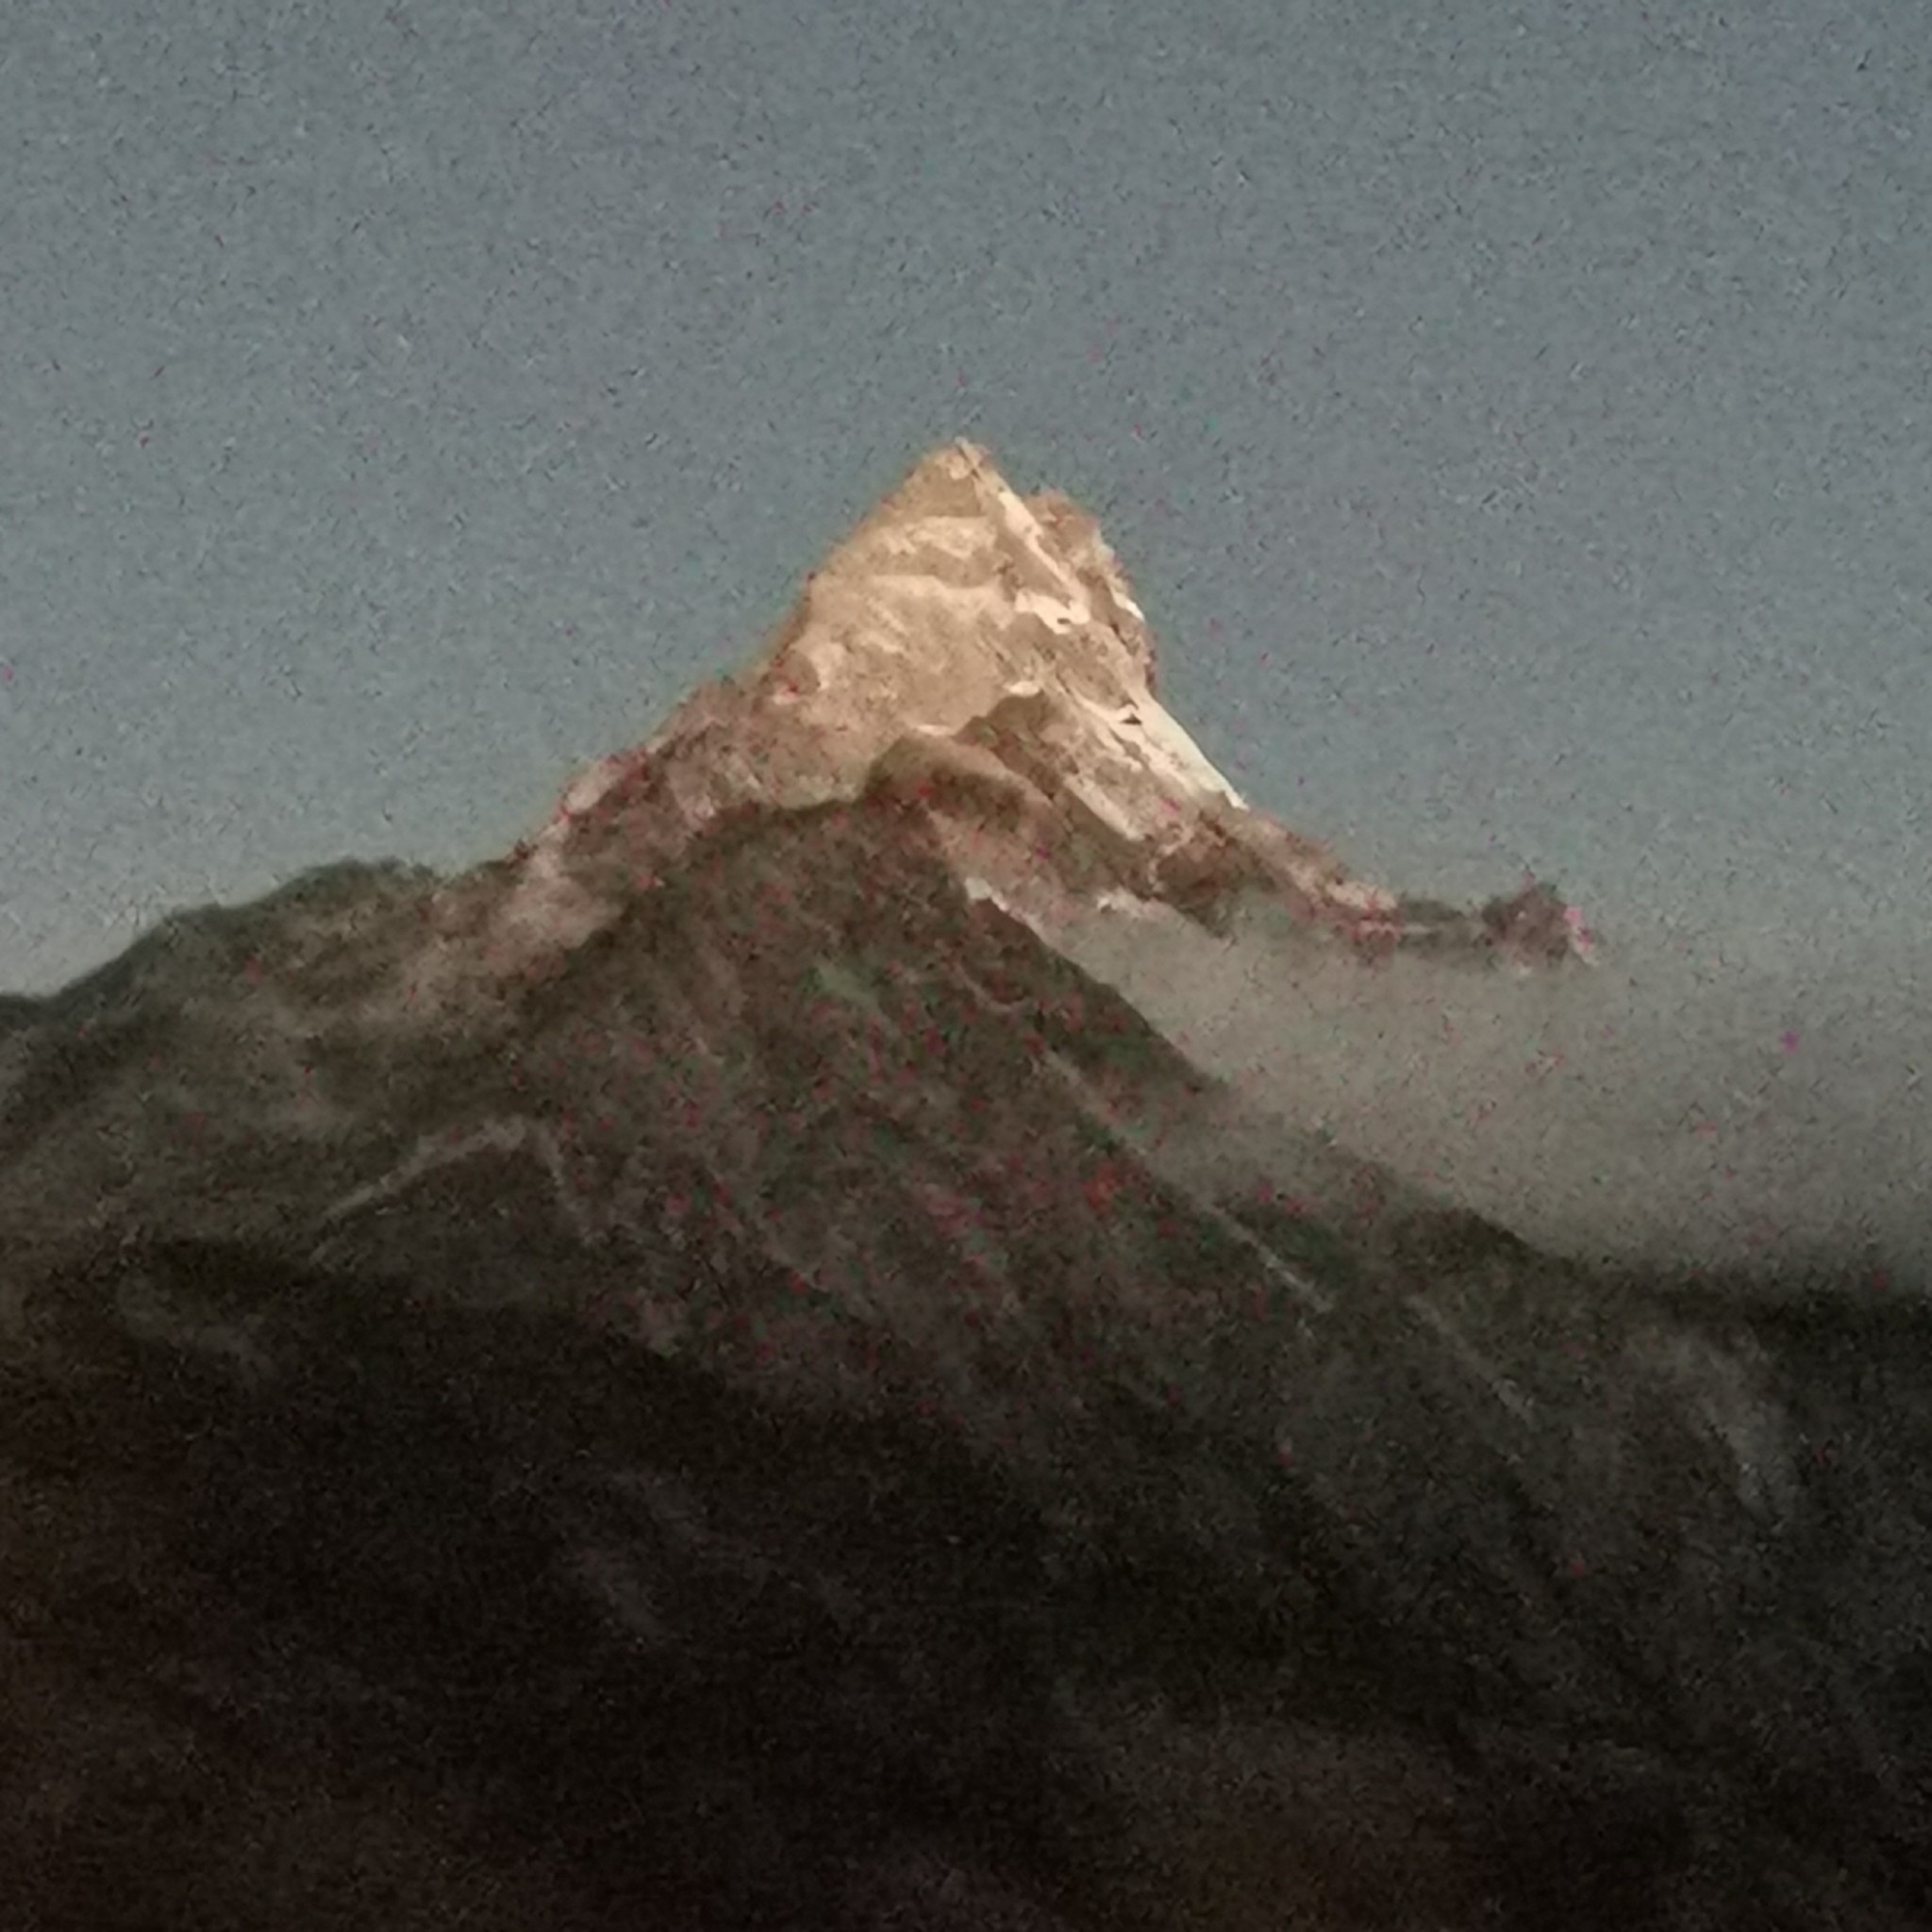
[[1514, 418]]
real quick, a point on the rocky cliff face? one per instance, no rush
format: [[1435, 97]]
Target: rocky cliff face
[[705, 1373]]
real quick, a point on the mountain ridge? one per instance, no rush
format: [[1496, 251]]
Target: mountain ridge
[[1024, 721]]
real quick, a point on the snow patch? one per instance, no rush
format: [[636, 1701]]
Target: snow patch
[[1028, 533], [1353, 894], [1150, 735], [980, 889], [1118, 899], [1059, 615]]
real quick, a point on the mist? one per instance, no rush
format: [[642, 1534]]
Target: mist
[[1654, 1108]]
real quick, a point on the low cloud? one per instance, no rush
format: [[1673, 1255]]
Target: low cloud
[[1657, 1107]]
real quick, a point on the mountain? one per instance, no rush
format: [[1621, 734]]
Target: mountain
[[980, 658], [708, 1373]]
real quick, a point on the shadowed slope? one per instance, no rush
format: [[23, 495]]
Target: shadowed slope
[[772, 1422]]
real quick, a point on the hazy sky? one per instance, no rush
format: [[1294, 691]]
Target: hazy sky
[[1514, 418]]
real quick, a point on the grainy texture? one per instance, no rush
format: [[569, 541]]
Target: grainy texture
[[748, 1398]]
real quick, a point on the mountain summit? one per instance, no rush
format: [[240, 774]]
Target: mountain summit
[[979, 657]]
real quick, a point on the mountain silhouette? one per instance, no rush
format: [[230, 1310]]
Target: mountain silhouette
[[707, 1373]]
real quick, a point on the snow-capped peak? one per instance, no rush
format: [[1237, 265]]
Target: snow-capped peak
[[954, 594], [971, 653]]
